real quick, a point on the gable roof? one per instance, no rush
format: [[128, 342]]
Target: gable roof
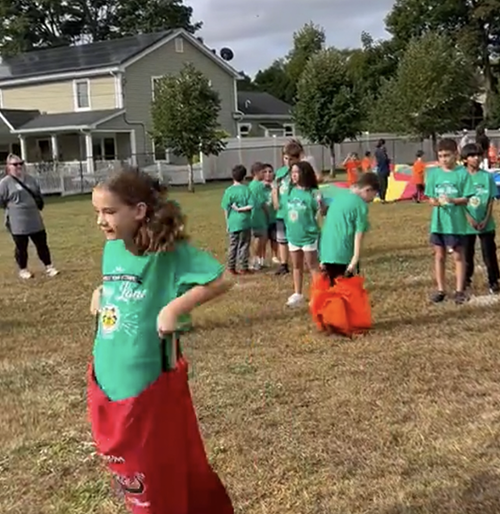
[[80, 57], [16, 118], [107, 56], [257, 103]]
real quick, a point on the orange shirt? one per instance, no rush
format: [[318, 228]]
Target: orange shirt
[[419, 172], [366, 164], [352, 168]]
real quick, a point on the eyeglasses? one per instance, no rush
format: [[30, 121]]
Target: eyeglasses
[[17, 164]]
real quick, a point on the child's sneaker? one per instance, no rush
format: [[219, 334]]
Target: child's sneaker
[[295, 300], [438, 297], [51, 271], [494, 288], [275, 260], [460, 297], [257, 266], [283, 270], [25, 274]]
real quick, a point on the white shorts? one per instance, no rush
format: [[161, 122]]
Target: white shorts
[[305, 248]]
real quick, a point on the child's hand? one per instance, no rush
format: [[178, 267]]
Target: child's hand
[[167, 322], [235, 207], [96, 301], [480, 226], [434, 202]]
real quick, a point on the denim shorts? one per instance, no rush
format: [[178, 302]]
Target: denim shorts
[[281, 232], [447, 240]]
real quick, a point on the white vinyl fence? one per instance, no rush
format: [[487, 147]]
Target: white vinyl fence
[[70, 178]]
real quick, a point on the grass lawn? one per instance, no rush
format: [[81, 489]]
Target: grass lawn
[[405, 420]]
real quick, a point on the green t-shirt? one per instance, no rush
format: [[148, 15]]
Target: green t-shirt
[[259, 202], [127, 350], [485, 191], [239, 195], [301, 216], [347, 216], [282, 182], [271, 211], [447, 218]]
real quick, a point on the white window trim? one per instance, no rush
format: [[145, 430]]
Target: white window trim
[[153, 79], [1, 98], [179, 45], [75, 95], [290, 126], [241, 125], [118, 90], [168, 154]]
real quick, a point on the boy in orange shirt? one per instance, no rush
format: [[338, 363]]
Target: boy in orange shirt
[[367, 163], [418, 176], [352, 167]]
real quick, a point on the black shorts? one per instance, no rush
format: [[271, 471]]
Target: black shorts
[[336, 270], [447, 241], [271, 232]]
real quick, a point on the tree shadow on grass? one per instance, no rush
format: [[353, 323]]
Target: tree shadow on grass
[[480, 495]]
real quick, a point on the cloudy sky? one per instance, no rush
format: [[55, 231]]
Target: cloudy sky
[[260, 31]]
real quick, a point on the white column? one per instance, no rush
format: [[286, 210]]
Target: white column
[[89, 152], [24, 148], [55, 147], [133, 148]]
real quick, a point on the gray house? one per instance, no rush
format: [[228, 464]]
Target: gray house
[[264, 115], [90, 104]]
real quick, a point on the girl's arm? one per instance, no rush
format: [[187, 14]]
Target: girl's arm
[[95, 301], [489, 212], [184, 304], [244, 209], [275, 198]]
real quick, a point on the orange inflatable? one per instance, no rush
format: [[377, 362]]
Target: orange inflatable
[[343, 308]]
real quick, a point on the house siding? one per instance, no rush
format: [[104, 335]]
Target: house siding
[[166, 61], [55, 97]]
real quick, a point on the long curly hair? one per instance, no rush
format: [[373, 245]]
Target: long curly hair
[[164, 223]]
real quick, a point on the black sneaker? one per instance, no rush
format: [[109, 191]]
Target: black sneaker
[[438, 297], [460, 297], [494, 288], [282, 270]]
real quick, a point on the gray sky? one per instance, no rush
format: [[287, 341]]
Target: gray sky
[[259, 31]]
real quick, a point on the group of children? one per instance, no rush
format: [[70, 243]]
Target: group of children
[[317, 233], [287, 208]]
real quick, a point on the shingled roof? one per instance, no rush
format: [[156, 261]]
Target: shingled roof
[[256, 103], [77, 58]]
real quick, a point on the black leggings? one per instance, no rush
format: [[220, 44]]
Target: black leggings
[[39, 239]]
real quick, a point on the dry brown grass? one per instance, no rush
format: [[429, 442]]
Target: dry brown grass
[[402, 421]]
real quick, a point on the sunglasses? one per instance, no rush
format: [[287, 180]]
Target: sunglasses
[[17, 164]]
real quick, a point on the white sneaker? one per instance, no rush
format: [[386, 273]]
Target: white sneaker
[[51, 271], [25, 274], [276, 260], [257, 266], [295, 300]]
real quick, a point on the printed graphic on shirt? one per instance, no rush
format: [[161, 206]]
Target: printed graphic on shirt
[[109, 318]]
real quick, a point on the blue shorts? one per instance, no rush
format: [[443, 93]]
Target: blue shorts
[[447, 240]]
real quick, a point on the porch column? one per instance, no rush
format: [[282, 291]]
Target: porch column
[[55, 147], [133, 148], [24, 148], [89, 152]]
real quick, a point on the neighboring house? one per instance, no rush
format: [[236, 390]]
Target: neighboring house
[[91, 103], [264, 115]]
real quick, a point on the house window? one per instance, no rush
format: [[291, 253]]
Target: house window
[[154, 83], [104, 149], [289, 130], [82, 95], [244, 129], [162, 154], [179, 45]]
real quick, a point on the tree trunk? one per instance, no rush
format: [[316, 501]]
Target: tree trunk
[[190, 175], [434, 143], [333, 161]]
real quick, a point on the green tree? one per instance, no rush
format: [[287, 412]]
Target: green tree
[[328, 107], [473, 25], [274, 80], [27, 25], [185, 112], [246, 83], [431, 92]]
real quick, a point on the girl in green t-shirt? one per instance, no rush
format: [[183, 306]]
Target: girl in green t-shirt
[[303, 205], [142, 416]]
